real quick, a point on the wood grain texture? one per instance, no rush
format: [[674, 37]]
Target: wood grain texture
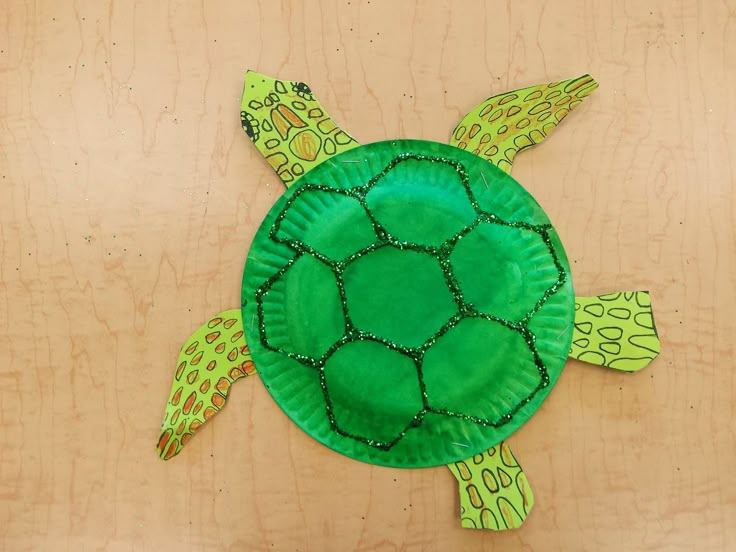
[[129, 196]]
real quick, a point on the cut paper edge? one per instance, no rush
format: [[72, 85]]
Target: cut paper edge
[[508, 123], [615, 330], [494, 491], [289, 126], [212, 359]]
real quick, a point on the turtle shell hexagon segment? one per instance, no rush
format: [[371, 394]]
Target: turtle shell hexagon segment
[[423, 200], [333, 224], [399, 295], [480, 368], [373, 391], [504, 270], [302, 310]]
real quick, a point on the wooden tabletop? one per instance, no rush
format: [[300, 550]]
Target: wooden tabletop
[[130, 196]]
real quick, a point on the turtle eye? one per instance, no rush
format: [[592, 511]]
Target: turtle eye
[[249, 124], [247, 127], [302, 88]]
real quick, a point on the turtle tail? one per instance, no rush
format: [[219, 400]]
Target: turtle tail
[[508, 123], [211, 360]]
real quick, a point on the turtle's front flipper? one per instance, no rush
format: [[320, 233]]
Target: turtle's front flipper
[[505, 124], [494, 492], [289, 126], [210, 361], [615, 330]]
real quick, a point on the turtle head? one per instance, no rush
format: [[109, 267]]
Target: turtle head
[[289, 126]]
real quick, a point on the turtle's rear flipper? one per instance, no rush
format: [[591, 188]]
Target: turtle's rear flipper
[[494, 492], [214, 357], [289, 126], [506, 124], [615, 330]]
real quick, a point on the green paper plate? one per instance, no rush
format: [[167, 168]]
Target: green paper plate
[[408, 304]]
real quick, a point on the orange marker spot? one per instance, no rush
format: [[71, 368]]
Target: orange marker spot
[[514, 109], [211, 365], [214, 322], [164, 439], [231, 356], [507, 456], [504, 478], [205, 386], [230, 323], [209, 412], [524, 490], [462, 467], [474, 496], [195, 425], [192, 376], [218, 400], [181, 427], [488, 520], [220, 347], [197, 407], [507, 514], [290, 116], [280, 124], [185, 438], [190, 401], [197, 358], [490, 480], [223, 385], [278, 161], [177, 396], [306, 145], [236, 336], [180, 369], [192, 348], [172, 450], [175, 417]]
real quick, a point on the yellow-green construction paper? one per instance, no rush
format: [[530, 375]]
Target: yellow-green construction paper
[[494, 492], [210, 361], [615, 330], [503, 125], [289, 126]]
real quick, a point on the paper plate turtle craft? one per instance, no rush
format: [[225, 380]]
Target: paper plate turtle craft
[[408, 303]]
